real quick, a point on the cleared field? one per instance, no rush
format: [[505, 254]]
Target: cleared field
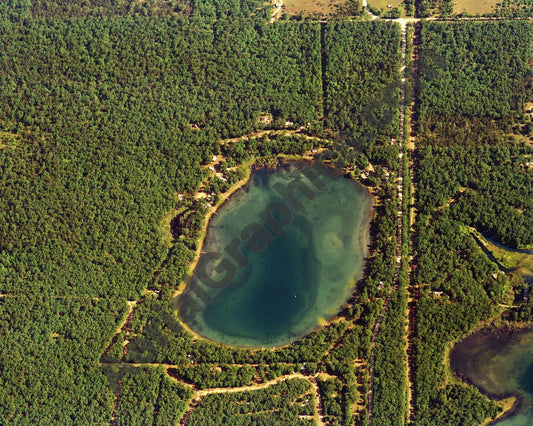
[[318, 7], [475, 7], [383, 4]]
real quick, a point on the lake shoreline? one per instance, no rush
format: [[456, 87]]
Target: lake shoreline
[[282, 162], [476, 338], [201, 243]]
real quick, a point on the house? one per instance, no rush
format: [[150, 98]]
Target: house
[[265, 119]]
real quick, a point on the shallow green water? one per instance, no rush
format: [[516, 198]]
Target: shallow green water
[[500, 363], [293, 262]]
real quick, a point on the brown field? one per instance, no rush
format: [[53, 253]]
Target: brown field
[[314, 7], [475, 7]]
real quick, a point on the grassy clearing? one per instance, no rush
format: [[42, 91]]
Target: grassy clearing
[[526, 266], [508, 259], [475, 7], [320, 8], [165, 227], [383, 4]]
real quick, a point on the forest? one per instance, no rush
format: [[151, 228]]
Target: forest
[[489, 188], [290, 401], [361, 91], [149, 396], [515, 8], [474, 80], [503, 8], [204, 9], [109, 112], [427, 8], [129, 143], [47, 358], [159, 338], [473, 176], [100, 133]]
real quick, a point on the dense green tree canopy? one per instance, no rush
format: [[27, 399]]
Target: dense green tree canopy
[[109, 112]]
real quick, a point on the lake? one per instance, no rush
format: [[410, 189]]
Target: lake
[[500, 363], [281, 257]]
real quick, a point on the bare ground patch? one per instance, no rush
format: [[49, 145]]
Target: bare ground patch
[[475, 7], [321, 8]]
